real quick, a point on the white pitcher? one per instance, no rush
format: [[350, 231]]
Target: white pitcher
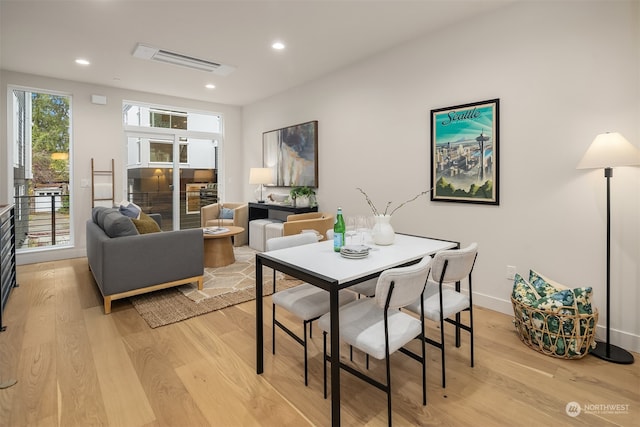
[[382, 232]]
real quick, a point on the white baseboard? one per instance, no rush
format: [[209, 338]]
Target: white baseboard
[[622, 339], [49, 254]]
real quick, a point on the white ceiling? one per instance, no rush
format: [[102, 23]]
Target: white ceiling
[[45, 37]]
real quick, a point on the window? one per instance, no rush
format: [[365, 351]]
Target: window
[[159, 182], [146, 116], [41, 137], [168, 119], [163, 152]]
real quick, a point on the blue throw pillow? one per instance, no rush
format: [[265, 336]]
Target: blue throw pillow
[[131, 210], [226, 213]]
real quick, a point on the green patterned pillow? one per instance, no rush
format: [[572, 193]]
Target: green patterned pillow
[[543, 285], [558, 295], [523, 291], [582, 297]]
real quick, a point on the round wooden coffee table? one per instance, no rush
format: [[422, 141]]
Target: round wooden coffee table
[[218, 248]]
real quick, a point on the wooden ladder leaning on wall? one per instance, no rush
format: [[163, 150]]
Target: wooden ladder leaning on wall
[[106, 191]]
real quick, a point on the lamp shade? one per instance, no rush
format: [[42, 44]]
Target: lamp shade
[[609, 150], [260, 176]]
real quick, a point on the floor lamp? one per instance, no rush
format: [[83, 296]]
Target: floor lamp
[[607, 151]]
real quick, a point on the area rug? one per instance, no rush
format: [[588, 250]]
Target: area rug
[[223, 287]]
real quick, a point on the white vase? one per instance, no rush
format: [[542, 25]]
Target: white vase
[[382, 232], [302, 202]]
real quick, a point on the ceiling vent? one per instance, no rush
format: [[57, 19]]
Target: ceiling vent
[[147, 52]]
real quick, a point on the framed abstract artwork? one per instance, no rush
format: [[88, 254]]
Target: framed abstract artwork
[[292, 152], [465, 153]]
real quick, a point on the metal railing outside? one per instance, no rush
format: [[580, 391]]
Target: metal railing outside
[[161, 202], [42, 221]]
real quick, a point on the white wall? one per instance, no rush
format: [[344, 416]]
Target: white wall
[[98, 134], [564, 72]]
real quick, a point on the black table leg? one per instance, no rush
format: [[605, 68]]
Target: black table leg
[[259, 320], [335, 356]]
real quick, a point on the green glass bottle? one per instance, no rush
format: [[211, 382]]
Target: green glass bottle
[[338, 231]]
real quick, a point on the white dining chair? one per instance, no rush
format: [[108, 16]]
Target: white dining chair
[[443, 299], [377, 327], [305, 301]]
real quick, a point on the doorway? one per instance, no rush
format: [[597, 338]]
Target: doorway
[[172, 175]]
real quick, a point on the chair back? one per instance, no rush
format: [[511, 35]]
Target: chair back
[[409, 282], [318, 221], [283, 242], [454, 265]]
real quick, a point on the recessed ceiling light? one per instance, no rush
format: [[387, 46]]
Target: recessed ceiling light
[[82, 61], [278, 45], [210, 86]]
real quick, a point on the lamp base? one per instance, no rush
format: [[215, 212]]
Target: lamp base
[[260, 201], [616, 354]]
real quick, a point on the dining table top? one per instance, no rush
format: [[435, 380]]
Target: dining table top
[[322, 260]]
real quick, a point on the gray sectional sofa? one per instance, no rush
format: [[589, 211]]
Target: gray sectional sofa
[[126, 263]]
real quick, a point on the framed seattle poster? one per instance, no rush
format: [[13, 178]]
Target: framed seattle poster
[[465, 152]]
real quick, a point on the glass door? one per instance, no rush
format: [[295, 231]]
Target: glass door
[[172, 175]]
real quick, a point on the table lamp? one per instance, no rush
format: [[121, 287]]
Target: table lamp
[[607, 151], [260, 176]]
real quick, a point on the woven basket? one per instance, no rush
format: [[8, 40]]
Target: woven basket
[[562, 333]]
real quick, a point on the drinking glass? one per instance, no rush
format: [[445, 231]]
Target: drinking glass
[[363, 228], [350, 228]]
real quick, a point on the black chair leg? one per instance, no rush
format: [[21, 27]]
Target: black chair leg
[[306, 375], [324, 361], [458, 321], [444, 385], [471, 333], [388, 390], [273, 329], [424, 371]]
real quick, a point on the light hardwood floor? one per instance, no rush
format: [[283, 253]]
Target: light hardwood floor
[[76, 366]]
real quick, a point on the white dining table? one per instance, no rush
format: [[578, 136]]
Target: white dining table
[[319, 265]]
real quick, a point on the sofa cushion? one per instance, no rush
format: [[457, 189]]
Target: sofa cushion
[[102, 214], [95, 212], [130, 209], [118, 225], [145, 224], [226, 213]]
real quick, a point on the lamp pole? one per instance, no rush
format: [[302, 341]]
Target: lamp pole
[[608, 351]]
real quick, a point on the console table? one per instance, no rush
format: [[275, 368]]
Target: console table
[[262, 210], [7, 256]]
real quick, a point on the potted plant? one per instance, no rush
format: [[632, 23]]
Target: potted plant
[[301, 196]]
